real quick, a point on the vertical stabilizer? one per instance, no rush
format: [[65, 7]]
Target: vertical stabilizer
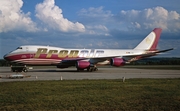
[[151, 41]]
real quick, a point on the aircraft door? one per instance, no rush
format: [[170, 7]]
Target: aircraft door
[[27, 49], [30, 55]]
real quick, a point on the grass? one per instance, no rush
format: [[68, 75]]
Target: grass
[[102, 95]]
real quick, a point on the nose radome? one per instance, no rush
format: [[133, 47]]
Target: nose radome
[[6, 57]]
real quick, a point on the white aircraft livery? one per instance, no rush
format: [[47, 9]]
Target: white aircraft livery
[[85, 58]]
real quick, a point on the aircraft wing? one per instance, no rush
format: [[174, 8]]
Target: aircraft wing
[[128, 58]]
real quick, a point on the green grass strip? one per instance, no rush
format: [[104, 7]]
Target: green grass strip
[[102, 95]]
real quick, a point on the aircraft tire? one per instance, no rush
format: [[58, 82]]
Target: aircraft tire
[[94, 68], [88, 69], [91, 69]]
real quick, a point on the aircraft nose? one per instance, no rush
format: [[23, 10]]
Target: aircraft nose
[[6, 57]]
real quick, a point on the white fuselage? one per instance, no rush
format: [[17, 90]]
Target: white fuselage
[[47, 55]]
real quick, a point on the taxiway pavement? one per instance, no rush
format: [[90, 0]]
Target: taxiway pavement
[[102, 73]]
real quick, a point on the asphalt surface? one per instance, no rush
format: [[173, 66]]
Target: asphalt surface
[[102, 73]]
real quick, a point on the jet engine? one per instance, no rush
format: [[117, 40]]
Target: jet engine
[[82, 64], [117, 62]]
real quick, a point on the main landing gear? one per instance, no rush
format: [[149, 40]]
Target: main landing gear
[[89, 69]]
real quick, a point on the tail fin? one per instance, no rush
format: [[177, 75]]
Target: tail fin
[[151, 41]]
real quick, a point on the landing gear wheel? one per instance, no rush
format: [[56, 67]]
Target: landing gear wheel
[[95, 69], [90, 69]]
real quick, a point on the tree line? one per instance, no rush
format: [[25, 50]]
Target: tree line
[[157, 61]]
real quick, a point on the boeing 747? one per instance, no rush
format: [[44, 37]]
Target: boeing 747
[[85, 58]]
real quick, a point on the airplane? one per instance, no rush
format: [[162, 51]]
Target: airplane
[[85, 58]]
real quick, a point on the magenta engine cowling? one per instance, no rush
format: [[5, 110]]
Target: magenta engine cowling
[[117, 62], [82, 64]]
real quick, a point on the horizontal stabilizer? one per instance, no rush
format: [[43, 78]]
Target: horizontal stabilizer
[[149, 54], [164, 50]]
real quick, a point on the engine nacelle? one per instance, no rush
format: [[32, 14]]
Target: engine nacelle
[[117, 62], [82, 64]]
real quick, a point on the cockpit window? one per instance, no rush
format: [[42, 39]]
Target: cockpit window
[[19, 48]]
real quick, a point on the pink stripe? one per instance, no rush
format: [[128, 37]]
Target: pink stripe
[[38, 61]]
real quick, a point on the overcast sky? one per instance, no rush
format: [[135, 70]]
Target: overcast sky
[[88, 23]]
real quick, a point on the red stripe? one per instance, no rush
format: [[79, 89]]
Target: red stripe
[[157, 32]]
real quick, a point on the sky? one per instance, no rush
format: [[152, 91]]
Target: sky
[[115, 24]]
